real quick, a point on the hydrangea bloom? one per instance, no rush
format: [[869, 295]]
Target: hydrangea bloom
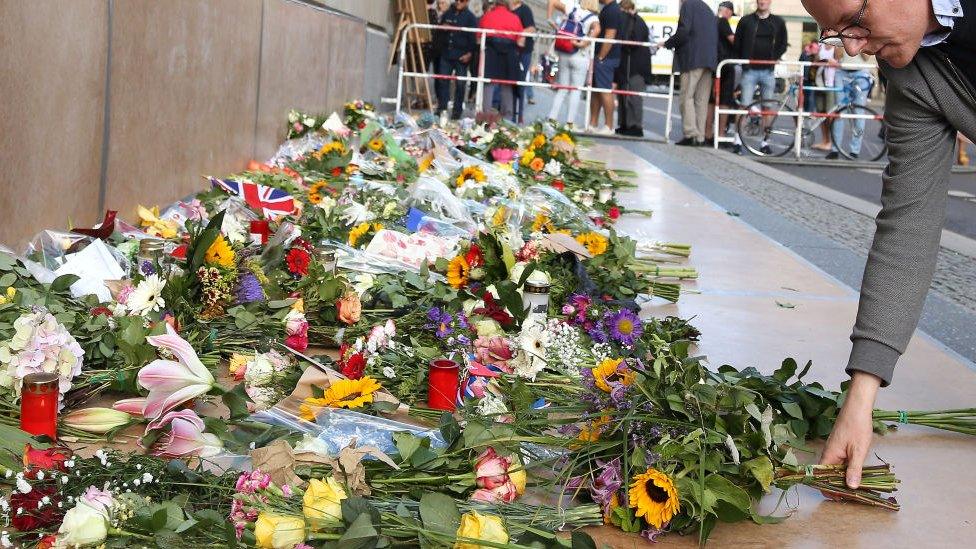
[[39, 344]]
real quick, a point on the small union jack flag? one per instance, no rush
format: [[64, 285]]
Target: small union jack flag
[[270, 201]]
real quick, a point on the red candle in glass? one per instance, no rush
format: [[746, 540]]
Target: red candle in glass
[[442, 384], [39, 404], [260, 229]]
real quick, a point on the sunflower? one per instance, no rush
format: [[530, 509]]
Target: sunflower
[[425, 162], [343, 393], [470, 172], [358, 232], [220, 253], [594, 242], [654, 497], [541, 223], [315, 191], [500, 216], [610, 371], [613, 504], [564, 137], [376, 144], [330, 148], [457, 272], [538, 141]]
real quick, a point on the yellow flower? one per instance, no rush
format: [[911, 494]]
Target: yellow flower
[[475, 526], [237, 361], [425, 162], [322, 503], [537, 141], [654, 497], [591, 430], [518, 476], [343, 393], [609, 371], [9, 296], [595, 242], [149, 219], [220, 253], [537, 164], [614, 503], [470, 172], [500, 216], [541, 223], [458, 271], [331, 147], [376, 144], [527, 157], [315, 191], [358, 232], [274, 531], [564, 137]]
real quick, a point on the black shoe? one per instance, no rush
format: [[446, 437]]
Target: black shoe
[[766, 150], [726, 145], [737, 149], [854, 156], [686, 142], [832, 155]]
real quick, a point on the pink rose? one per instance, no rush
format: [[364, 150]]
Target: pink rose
[[491, 469], [503, 155]]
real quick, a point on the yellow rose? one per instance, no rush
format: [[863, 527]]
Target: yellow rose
[[474, 525], [273, 531], [323, 503], [516, 474]]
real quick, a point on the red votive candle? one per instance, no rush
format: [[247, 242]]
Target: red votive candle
[[442, 384], [39, 404], [260, 231]]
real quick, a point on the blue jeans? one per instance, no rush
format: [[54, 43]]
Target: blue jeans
[[525, 58], [842, 79], [443, 87], [751, 78]]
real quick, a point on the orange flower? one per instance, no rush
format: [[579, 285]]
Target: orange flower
[[537, 164], [349, 308]]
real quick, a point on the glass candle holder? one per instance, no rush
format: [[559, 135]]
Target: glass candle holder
[[39, 404], [260, 231], [586, 198], [149, 256], [535, 301], [327, 257], [606, 193], [442, 385]]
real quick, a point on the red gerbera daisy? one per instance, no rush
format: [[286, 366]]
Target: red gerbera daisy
[[298, 261], [474, 257]]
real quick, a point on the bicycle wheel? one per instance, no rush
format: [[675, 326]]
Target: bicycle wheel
[[859, 138], [764, 132]]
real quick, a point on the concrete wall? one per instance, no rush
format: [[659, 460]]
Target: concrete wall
[[106, 104]]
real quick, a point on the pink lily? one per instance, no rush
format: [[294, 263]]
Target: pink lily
[[186, 436], [133, 406], [171, 383]]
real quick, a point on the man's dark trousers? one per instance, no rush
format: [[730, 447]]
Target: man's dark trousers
[[443, 87]]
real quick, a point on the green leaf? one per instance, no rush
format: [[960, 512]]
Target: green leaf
[[407, 443], [7, 279], [793, 409], [63, 282], [785, 371], [761, 468], [582, 540], [204, 240], [7, 261], [360, 534], [236, 401], [440, 513]]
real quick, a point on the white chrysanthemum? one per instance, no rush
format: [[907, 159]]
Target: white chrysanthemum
[[147, 298], [553, 168]]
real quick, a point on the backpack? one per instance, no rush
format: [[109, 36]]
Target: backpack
[[569, 31]]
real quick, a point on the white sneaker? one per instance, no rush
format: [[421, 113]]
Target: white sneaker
[[605, 130]]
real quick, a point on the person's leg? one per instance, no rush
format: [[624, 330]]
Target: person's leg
[[523, 71], [841, 80], [507, 101], [441, 86], [460, 69], [562, 79], [861, 99], [602, 79], [702, 88], [488, 98], [635, 105], [578, 66], [608, 97], [749, 81], [686, 103]]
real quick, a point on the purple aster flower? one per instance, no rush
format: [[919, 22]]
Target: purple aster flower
[[249, 289], [650, 534], [597, 334], [625, 326], [618, 395], [434, 315], [147, 268], [463, 339], [463, 321]]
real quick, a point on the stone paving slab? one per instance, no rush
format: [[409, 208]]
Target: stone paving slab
[[743, 275]]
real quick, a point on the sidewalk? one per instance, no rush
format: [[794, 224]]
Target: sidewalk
[[760, 303]]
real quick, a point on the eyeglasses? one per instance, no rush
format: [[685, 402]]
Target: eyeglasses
[[854, 31]]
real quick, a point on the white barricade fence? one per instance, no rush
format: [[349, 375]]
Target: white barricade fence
[[480, 79], [782, 69]]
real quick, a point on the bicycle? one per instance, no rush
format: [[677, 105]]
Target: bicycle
[[765, 133]]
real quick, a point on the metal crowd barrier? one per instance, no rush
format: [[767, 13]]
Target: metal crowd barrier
[[799, 114], [481, 80]]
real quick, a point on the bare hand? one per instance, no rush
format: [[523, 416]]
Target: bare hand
[[850, 441], [465, 58]]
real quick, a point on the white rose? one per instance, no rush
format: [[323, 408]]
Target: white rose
[[292, 116], [309, 121], [82, 525], [327, 204], [388, 372], [259, 372]]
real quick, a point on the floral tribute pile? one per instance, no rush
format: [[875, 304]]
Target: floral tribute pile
[[388, 334]]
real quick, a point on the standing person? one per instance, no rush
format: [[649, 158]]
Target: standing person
[[859, 78], [811, 52], [501, 55], [458, 48], [927, 52], [525, 16], [574, 65], [634, 72], [726, 91], [760, 36], [606, 62], [825, 99], [695, 45]]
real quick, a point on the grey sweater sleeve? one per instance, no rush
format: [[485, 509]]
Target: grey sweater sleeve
[[922, 100]]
